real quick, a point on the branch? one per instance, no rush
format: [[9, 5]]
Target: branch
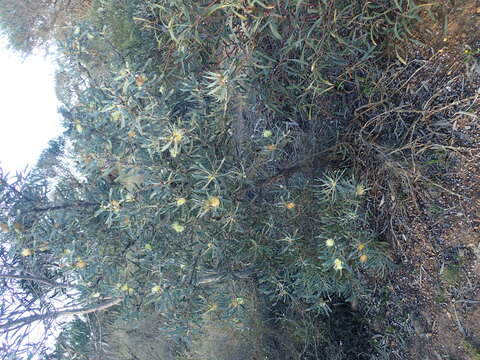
[[40, 280], [59, 207], [15, 324], [235, 275]]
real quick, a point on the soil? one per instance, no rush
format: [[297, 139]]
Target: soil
[[434, 296]]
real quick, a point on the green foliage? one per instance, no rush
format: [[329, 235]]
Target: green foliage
[[115, 20], [323, 249], [452, 274], [74, 341], [471, 348]]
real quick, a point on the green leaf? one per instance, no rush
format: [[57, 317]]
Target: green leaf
[[274, 29], [170, 30], [401, 59], [216, 7]]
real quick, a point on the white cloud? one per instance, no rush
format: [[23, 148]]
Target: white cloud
[[28, 108]]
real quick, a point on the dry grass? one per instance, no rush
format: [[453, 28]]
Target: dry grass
[[415, 142]]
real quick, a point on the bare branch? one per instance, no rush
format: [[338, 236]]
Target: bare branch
[[40, 280], [62, 207], [15, 324]]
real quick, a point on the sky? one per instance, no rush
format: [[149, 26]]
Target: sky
[[28, 108]]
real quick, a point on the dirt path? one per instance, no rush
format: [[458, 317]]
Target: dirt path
[[435, 293]]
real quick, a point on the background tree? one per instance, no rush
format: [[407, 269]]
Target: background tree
[[31, 24], [74, 342], [38, 290]]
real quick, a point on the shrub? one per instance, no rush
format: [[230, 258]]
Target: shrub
[[198, 159]]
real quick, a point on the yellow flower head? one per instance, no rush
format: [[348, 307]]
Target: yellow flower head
[[338, 264], [360, 247], [80, 264], [177, 136], [148, 247], [290, 205], [95, 295], [116, 115], [329, 242], [267, 134], [26, 252], [363, 259], [178, 227], [181, 201], [360, 190], [124, 287], [213, 202], [156, 289]]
